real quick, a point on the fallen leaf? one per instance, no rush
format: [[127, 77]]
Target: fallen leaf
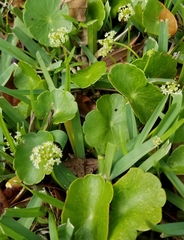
[[77, 9], [85, 104], [166, 14], [3, 202], [81, 167], [17, 3], [10, 84]]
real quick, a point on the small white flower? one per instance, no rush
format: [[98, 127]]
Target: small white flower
[[58, 37], [171, 88], [157, 141], [125, 12], [106, 43], [48, 154]]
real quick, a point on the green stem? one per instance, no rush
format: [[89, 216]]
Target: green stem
[[128, 48], [128, 52]]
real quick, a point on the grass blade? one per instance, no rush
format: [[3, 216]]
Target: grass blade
[[33, 203], [173, 178], [175, 199], [52, 228], [131, 158], [16, 52], [15, 230]]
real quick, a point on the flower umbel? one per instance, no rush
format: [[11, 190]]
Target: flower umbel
[[157, 141], [125, 12], [106, 44], [46, 154], [171, 88], [58, 37]]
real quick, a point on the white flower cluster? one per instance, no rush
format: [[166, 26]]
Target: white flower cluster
[[125, 12], [157, 141], [171, 88], [58, 37], [106, 44], [48, 154], [17, 140]]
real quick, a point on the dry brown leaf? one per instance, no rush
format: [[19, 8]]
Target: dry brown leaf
[[3, 202], [85, 104], [16, 3], [80, 167], [77, 9], [166, 14], [10, 84]]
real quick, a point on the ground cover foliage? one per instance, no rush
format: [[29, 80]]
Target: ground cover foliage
[[91, 119]]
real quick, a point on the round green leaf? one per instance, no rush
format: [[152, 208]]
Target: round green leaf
[[42, 16], [132, 83], [86, 77], [151, 16], [107, 124], [138, 198], [61, 102], [25, 169], [95, 10], [87, 207], [157, 65], [176, 160]]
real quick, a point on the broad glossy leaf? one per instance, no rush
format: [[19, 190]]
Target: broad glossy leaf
[[138, 198], [87, 207], [157, 65], [176, 160], [42, 16], [61, 102], [132, 83], [25, 169], [86, 77], [107, 123], [95, 10]]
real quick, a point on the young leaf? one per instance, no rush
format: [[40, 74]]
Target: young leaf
[[138, 198], [87, 207], [88, 76], [111, 118]]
